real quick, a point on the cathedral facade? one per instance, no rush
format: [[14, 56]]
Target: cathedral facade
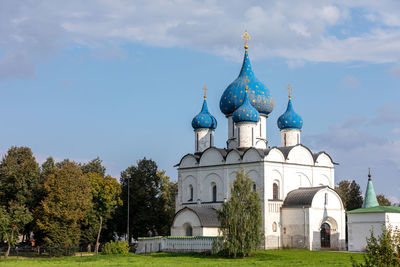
[[300, 208]]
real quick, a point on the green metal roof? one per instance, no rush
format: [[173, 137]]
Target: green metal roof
[[370, 196], [379, 209]]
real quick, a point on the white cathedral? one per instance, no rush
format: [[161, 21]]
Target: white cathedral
[[300, 208]]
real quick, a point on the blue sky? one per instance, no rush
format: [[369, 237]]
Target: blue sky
[[122, 79]]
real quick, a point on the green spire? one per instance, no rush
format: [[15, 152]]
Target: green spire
[[370, 196]]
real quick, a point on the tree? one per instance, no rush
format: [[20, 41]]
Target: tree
[[105, 195], [12, 220], [240, 218], [67, 201], [149, 209], [383, 250], [95, 165], [20, 180], [383, 201], [169, 190], [350, 193]]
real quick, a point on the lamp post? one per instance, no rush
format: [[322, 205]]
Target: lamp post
[[127, 223]]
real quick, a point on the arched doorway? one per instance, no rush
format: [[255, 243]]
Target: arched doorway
[[188, 229], [325, 235]]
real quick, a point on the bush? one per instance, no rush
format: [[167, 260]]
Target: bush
[[383, 250], [116, 247]]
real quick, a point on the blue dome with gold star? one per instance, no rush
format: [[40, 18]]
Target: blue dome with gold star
[[204, 120], [246, 113], [290, 119], [258, 94]]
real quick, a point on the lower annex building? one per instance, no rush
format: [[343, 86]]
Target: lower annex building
[[300, 208]]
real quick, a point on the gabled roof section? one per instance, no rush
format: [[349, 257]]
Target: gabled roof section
[[301, 197]]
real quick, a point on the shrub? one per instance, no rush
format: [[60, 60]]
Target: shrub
[[116, 247], [383, 250]]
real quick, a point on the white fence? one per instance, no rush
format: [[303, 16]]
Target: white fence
[[175, 244]]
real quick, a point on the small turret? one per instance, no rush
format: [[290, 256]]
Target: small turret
[[290, 124], [370, 199], [204, 125]]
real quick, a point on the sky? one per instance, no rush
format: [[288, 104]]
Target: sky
[[122, 80]]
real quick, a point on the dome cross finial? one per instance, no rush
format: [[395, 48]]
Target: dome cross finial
[[246, 38], [290, 89], [205, 91]]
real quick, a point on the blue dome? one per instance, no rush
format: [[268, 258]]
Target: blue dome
[[246, 113], [290, 119], [258, 94], [204, 120]]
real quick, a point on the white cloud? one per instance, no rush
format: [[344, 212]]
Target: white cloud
[[295, 31]]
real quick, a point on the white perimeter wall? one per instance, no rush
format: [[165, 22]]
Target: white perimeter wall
[[360, 225]]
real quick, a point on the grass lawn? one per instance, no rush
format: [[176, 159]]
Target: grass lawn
[[260, 258]]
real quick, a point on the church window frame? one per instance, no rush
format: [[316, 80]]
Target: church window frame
[[275, 191], [190, 193], [326, 199], [213, 192], [274, 227], [298, 138]]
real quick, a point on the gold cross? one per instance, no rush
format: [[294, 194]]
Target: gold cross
[[245, 82], [205, 91], [290, 91], [246, 37]]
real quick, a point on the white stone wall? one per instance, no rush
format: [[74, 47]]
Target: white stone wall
[[361, 224], [246, 133], [290, 137], [203, 139]]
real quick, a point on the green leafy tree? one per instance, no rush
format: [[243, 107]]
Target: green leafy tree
[[12, 220], [350, 193], [240, 218], [95, 165], [20, 180], [105, 195], [382, 251], [150, 202], [169, 190], [383, 201], [67, 201]]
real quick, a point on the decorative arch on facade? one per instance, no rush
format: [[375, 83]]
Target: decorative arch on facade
[[210, 181], [189, 189], [251, 155], [211, 156], [303, 180], [300, 154], [276, 178], [323, 159], [233, 157], [255, 177], [188, 161], [275, 155]]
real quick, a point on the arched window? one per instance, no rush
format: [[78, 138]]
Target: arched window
[[190, 193], [275, 191], [214, 192], [274, 227], [254, 186], [188, 229]]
